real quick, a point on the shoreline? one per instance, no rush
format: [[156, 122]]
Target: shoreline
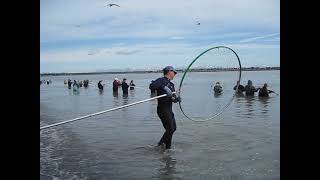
[[159, 71]]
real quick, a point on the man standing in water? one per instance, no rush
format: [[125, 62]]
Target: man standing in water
[[152, 90], [124, 86], [264, 92], [100, 86], [164, 108], [115, 85], [250, 89], [69, 83]]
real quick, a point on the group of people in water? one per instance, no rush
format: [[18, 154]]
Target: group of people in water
[[115, 85], [124, 85], [249, 89], [76, 84], [45, 81]]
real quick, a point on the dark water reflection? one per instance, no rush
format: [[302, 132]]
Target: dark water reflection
[[168, 169]]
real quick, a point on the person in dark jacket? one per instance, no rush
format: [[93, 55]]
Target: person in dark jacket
[[217, 88], [153, 91], [250, 89], [124, 86], [132, 85], [164, 109], [85, 83], [240, 87], [69, 83], [264, 92], [100, 86]]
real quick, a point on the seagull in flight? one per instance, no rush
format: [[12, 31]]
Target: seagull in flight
[[110, 5]]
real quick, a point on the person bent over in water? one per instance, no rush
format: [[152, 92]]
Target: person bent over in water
[[164, 109], [240, 87], [264, 92]]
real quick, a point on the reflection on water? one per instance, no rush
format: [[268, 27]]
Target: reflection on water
[[264, 101], [217, 94], [249, 106], [238, 95], [76, 92], [100, 91], [125, 95], [168, 167], [132, 93], [125, 99], [115, 101], [115, 94]]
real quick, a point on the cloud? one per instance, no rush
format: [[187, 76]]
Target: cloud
[[259, 37], [177, 38], [127, 52]]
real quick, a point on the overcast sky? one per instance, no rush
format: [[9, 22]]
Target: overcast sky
[[88, 35]]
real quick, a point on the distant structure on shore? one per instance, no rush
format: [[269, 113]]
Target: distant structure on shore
[[158, 71]]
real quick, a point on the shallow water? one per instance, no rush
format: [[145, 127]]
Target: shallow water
[[242, 143]]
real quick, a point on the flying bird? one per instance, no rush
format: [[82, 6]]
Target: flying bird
[[110, 5]]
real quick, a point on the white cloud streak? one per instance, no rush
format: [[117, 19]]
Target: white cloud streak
[[259, 37]]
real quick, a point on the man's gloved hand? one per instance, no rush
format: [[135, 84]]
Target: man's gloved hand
[[168, 91], [177, 99]]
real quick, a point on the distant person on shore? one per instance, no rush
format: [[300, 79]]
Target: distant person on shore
[[48, 82], [69, 83], [240, 88], [217, 88], [124, 86], [153, 91], [100, 86], [132, 85], [80, 83], [264, 92], [250, 89]]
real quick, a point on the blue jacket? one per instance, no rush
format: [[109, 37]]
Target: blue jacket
[[158, 85]]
